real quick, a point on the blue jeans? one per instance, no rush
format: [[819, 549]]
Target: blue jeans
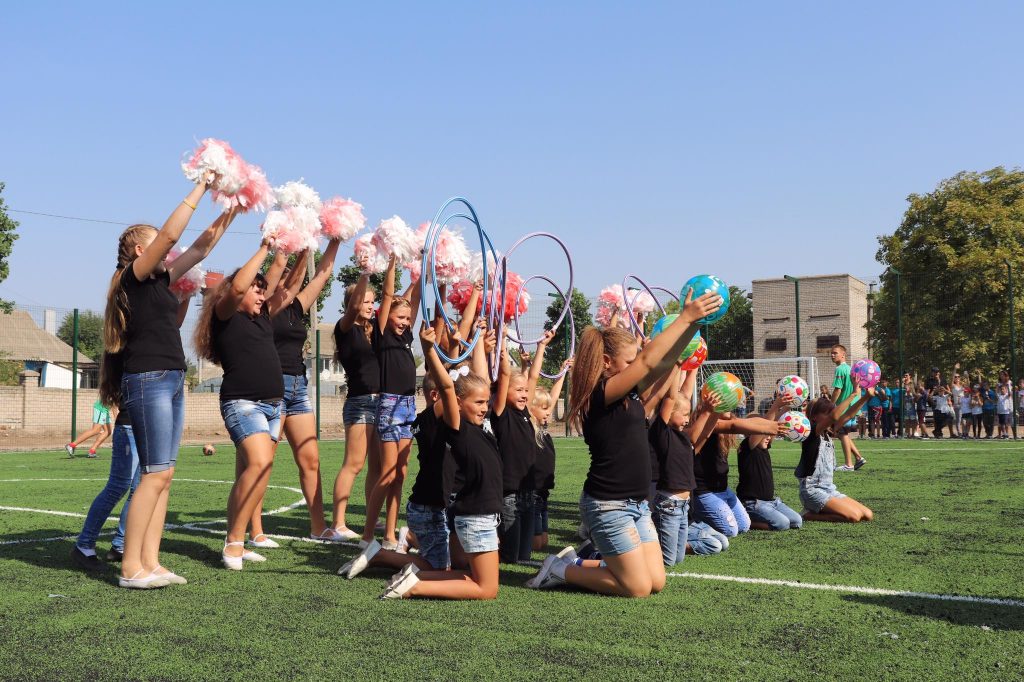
[[516, 532], [124, 476], [670, 518], [722, 511], [156, 403], [540, 512], [430, 526], [775, 513], [704, 540], [296, 395], [244, 418], [617, 526]]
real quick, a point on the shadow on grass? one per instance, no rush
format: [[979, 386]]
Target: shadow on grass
[[969, 614]]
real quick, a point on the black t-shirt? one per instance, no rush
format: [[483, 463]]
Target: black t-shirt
[[674, 453], [397, 365], [620, 456], [152, 340], [517, 443], [358, 359], [431, 488], [711, 469], [245, 345], [755, 467], [478, 464], [655, 464], [123, 417], [290, 337], [544, 466]]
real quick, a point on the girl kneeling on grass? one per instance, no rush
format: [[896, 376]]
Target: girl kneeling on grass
[[822, 502], [756, 488], [475, 509], [609, 377]]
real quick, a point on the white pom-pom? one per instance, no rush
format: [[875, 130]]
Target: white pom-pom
[[297, 193], [293, 229], [394, 238], [376, 260]]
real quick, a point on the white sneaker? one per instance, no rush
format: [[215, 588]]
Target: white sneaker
[[568, 555], [344, 534], [359, 564], [399, 588], [845, 467], [545, 578], [390, 545], [249, 555], [150, 582], [265, 543], [403, 540], [330, 535], [402, 573]]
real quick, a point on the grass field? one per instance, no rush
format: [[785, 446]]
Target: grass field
[[949, 521]]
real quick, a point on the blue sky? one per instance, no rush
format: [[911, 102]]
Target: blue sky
[[746, 140]]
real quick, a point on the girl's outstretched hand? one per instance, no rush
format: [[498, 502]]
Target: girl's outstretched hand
[[490, 341], [428, 337], [546, 339], [696, 309], [567, 365]]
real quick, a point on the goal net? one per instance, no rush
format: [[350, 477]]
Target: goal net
[[760, 377]]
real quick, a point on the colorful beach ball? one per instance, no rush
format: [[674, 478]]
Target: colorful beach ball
[[865, 373], [663, 323], [793, 387], [691, 348], [696, 358], [727, 387], [702, 284], [799, 426]]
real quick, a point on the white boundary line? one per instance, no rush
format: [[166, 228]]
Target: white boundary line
[[200, 526], [853, 589]]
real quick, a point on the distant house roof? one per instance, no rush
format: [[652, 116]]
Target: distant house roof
[[22, 339]]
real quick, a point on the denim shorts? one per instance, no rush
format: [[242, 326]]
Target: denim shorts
[[156, 403], [245, 418], [477, 533], [814, 497], [360, 409], [617, 526], [430, 526], [296, 395], [540, 513], [395, 415]]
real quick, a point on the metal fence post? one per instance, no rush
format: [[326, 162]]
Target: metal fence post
[[899, 345], [74, 378], [1013, 347], [316, 369], [796, 293]]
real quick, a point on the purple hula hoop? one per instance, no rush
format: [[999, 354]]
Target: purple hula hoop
[[572, 324], [629, 303]]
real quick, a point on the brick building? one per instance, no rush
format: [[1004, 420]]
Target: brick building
[[833, 309]]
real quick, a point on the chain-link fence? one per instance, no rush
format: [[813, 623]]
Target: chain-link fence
[[909, 323]]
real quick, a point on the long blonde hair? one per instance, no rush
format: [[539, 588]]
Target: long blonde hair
[[115, 316], [366, 327], [589, 366]]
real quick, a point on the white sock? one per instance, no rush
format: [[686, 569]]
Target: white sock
[[558, 568], [86, 551]]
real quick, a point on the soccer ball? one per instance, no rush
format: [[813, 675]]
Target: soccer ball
[[865, 373], [799, 426], [208, 449], [794, 388]]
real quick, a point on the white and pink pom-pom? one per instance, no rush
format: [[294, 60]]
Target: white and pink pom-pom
[[293, 229], [341, 218], [451, 257], [609, 301], [191, 282], [376, 261], [297, 193], [256, 194], [641, 301], [394, 238], [459, 293]]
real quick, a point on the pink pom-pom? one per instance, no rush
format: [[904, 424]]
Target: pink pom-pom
[[293, 229], [256, 194], [394, 238], [641, 301], [191, 282], [341, 218], [459, 293], [610, 301], [376, 261]]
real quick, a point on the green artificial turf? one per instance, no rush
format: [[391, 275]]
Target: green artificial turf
[[949, 520]]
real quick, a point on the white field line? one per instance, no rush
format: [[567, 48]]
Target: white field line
[[853, 589]]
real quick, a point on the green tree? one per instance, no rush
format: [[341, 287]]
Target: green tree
[[349, 274], [8, 233], [291, 263], [951, 251], [90, 333], [558, 351], [9, 371]]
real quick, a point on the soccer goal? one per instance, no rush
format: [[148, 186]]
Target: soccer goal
[[760, 377]]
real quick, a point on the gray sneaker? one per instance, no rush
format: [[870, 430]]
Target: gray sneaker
[[859, 463], [845, 467]]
